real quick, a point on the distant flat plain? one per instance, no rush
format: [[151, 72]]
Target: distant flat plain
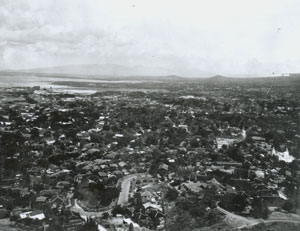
[[45, 81]]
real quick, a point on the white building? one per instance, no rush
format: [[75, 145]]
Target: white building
[[285, 156]]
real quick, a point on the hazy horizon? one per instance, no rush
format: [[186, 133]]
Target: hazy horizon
[[106, 70], [193, 38]]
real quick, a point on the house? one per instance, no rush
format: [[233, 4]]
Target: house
[[258, 139], [39, 215], [146, 196], [183, 126], [49, 192], [93, 151], [73, 224], [40, 201], [103, 175], [35, 215], [122, 164], [125, 172], [58, 201], [113, 166], [214, 183], [154, 212], [63, 184], [194, 187], [118, 135], [288, 173], [163, 167], [285, 156], [224, 141], [118, 173], [229, 164], [74, 221]]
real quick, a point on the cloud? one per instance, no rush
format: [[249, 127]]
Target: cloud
[[192, 37]]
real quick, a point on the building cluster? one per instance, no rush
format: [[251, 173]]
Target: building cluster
[[123, 160]]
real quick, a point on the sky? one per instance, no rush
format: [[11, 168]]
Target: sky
[[192, 38]]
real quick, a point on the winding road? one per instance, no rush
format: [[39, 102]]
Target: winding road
[[125, 188], [241, 222], [123, 197], [84, 214], [237, 220], [269, 221]]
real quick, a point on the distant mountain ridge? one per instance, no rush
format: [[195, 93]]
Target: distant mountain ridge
[[118, 72], [101, 70]]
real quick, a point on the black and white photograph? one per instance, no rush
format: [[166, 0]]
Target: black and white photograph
[[145, 115]]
